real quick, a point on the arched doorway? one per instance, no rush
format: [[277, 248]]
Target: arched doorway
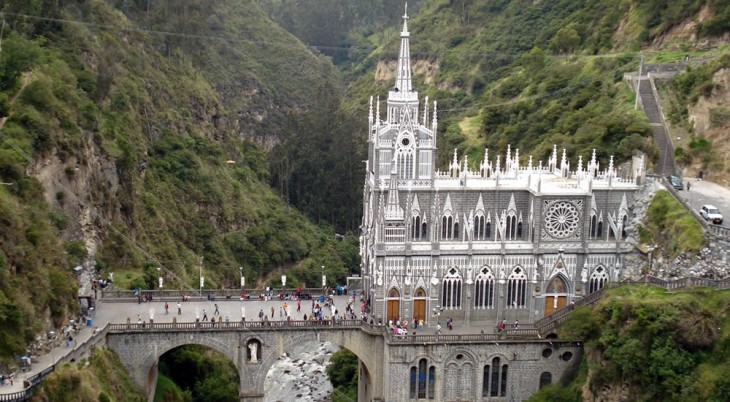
[[393, 305], [419, 305], [556, 295]]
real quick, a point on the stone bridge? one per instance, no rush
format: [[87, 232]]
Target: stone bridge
[[466, 367]]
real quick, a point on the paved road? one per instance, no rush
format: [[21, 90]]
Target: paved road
[[703, 192]]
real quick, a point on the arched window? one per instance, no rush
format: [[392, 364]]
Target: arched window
[[511, 229], [478, 227], [519, 230], [517, 288], [594, 227], [456, 231], [488, 231], [611, 234], [484, 289], [424, 231], [600, 230], [451, 290], [598, 279], [494, 379], [624, 222], [447, 227], [405, 164], [545, 379], [422, 381], [416, 228]]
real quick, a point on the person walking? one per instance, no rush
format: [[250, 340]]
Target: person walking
[[517, 324], [438, 329], [261, 314], [179, 309], [272, 311], [216, 309], [167, 307], [205, 315]]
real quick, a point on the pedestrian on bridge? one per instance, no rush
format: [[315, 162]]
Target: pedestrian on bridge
[[179, 310], [216, 309], [205, 315], [272, 311], [166, 308]]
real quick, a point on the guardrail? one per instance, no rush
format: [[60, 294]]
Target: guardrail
[[721, 232], [220, 294], [234, 325]]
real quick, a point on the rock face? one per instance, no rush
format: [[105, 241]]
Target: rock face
[[711, 262], [300, 374], [710, 119]]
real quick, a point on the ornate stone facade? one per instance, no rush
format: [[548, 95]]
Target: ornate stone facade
[[499, 239]]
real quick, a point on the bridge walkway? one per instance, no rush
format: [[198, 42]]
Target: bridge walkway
[[112, 317]]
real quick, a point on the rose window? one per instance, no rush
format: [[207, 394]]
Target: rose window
[[561, 220]]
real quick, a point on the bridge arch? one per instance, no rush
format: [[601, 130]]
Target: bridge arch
[[140, 350]]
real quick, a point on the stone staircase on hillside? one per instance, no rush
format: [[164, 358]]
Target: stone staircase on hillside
[[649, 104]]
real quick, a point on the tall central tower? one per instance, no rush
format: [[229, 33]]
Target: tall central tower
[[484, 240]]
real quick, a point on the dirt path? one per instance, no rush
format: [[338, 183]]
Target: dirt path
[[26, 80]]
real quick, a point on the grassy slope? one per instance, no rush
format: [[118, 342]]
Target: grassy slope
[[104, 379]]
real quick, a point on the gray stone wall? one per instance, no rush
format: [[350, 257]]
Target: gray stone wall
[[459, 368], [385, 368]]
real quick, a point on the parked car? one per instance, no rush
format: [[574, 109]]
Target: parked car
[[676, 182], [710, 213]]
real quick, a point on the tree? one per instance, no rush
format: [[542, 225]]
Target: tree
[[565, 41], [534, 60]]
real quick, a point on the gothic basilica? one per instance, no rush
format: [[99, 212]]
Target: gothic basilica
[[482, 241]]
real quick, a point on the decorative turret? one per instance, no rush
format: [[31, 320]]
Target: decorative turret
[[393, 210], [370, 115], [425, 111], [434, 124], [403, 75]]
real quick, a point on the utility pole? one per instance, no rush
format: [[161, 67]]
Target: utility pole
[[638, 82]]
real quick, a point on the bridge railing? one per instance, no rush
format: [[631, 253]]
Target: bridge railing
[[233, 325], [111, 295]]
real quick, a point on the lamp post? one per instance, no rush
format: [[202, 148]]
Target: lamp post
[[243, 281], [159, 276], [202, 280], [283, 283], [324, 279]]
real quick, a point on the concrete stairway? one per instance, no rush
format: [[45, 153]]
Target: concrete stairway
[[665, 166]]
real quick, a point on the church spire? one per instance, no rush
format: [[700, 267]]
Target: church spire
[[403, 75]]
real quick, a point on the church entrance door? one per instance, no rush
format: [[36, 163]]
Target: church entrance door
[[556, 295], [419, 305], [554, 303], [393, 305]]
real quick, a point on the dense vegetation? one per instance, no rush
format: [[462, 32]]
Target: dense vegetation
[[662, 345], [342, 373], [104, 379], [196, 374], [123, 147]]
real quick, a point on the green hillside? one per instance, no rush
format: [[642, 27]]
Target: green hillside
[[533, 74], [647, 344], [122, 147]]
